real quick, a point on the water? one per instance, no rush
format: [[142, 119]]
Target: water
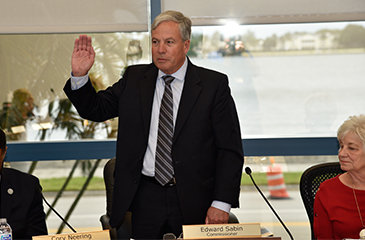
[[294, 95]]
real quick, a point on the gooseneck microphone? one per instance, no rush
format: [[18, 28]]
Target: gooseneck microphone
[[54, 210], [248, 171]]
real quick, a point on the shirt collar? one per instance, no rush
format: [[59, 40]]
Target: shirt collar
[[179, 74]]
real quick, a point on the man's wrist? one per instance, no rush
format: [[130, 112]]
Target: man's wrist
[[78, 82], [221, 206]]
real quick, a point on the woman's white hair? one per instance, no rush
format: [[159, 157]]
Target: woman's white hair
[[354, 124]]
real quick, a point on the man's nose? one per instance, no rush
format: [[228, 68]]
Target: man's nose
[[161, 48]]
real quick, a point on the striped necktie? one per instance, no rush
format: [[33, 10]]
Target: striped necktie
[[163, 165]]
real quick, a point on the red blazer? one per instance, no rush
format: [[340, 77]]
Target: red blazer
[[207, 147], [335, 212]]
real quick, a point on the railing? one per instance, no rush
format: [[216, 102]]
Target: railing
[[105, 149]]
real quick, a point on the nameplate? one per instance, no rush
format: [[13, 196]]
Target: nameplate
[[222, 231], [94, 235]]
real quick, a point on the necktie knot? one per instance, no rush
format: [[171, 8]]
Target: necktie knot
[[168, 79]]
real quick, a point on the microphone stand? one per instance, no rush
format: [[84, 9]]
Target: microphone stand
[[54, 210], [248, 171]]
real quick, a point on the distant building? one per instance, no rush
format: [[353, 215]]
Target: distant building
[[306, 41]]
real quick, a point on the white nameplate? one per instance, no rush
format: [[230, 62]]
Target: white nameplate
[[94, 235], [223, 231]]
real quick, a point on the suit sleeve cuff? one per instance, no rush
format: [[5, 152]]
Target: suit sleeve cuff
[[222, 206], [78, 82]]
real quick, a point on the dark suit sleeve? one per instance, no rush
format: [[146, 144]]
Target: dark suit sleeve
[[36, 222], [104, 104], [229, 146], [94, 106]]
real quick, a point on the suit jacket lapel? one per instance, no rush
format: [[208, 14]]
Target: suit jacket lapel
[[189, 95], [6, 194], [147, 91]]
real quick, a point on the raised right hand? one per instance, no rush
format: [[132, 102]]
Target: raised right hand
[[83, 56]]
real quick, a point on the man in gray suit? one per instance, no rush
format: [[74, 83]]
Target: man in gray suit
[[202, 147]]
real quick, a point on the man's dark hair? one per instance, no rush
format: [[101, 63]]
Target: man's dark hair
[[2, 140]]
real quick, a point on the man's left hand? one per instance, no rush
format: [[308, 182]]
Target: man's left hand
[[216, 216]]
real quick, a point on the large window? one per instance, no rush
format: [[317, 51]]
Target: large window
[[34, 70], [288, 79]]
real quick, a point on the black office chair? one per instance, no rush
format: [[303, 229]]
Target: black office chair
[[310, 181], [125, 230]]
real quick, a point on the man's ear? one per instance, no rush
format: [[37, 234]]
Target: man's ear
[[187, 46]]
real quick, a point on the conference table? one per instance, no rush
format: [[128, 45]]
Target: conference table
[[243, 238]]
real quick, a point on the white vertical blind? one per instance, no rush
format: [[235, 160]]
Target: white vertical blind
[[218, 12], [68, 16]]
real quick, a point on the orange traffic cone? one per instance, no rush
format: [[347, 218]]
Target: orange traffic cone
[[275, 180]]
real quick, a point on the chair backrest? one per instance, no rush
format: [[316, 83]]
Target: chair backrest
[[125, 230], [109, 183], [310, 181]]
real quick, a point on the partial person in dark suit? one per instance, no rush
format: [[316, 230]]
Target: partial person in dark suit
[[21, 200], [206, 151]]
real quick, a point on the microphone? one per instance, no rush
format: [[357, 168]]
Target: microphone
[[168, 236], [54, 210], [248, 171]]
